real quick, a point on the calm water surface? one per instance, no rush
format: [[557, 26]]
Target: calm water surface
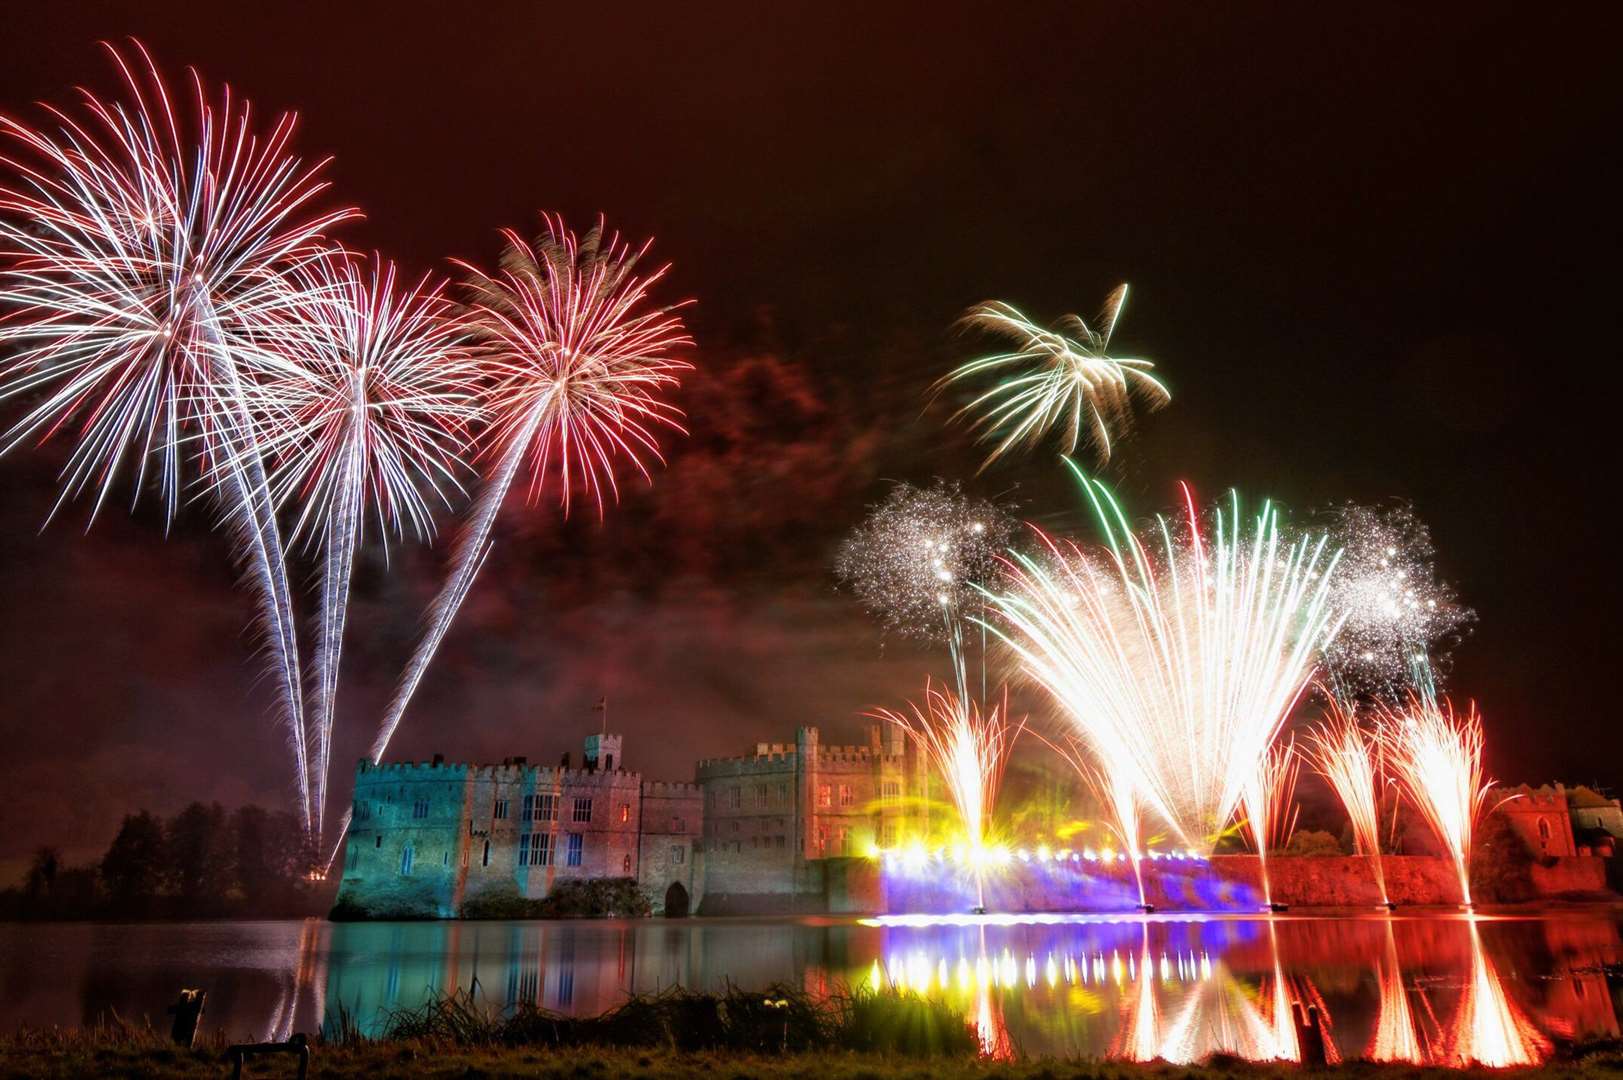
[[1429, 987]]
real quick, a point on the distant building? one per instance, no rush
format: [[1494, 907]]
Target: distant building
[[426, 837], [1597, 820], [751, 835], [773, 816], [1540, 817]]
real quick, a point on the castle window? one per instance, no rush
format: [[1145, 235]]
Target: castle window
[[887, 834], [735, 826], [419, 809], [546, 808], [625, 864], [893, 789], [825, 795], [783, 794], [524, 849], [583, 810], [363, 810], [499, 810], [405, 861], [822, 839], [486, 861], [577, 845], [843, 839], [847, 796], [735, 798], [779, 843], [678, 825], [380, 841], [760, 796], [542, 851], [445, 857], [678, 854], [625, 812], [1544, 834]]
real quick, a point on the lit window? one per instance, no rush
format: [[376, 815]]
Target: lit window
[[577, 844], [822, 839], [893, 789], [847, 796], [583, 810], [625, 865], [405, 861], [625, 812], [825, 795]]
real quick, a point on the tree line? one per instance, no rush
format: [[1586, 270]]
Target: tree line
[[204, 862]]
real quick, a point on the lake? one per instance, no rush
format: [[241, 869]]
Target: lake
[[1422, 987]]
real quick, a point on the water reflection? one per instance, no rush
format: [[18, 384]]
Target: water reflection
[[1426, 989]]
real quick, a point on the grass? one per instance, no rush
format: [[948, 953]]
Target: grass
[[125, 1052], [779, 1034]]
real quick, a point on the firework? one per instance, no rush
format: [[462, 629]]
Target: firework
[[370, 423], [1175, 658], [1437, 760], [1055, 378], [141, 254], [1270, 806], [917, 559], [578, 359], [969, 748], [1399, 618], [1349, 761]]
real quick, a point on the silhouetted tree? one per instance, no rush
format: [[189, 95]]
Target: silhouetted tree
[[42, 873], [132, 869], [198, 855], [268, 853]]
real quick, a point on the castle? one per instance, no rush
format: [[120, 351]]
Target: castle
[[752, 834]]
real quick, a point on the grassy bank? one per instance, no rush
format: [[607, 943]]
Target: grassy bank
[[50, 1056]]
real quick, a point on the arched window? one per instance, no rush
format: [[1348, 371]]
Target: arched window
[[405, 861], [1544, 833]]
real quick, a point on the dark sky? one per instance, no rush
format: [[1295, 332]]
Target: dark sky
[[1373, 252]]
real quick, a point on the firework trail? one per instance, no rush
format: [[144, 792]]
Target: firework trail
[[578, 358], [1349, 761], [1436, 758], [1270, 806], [140, 254], [1175, 658], [970, 749], [1062, 377], [1400, 620], [372, 422]]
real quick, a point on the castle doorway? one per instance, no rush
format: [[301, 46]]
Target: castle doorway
[[676, 901]]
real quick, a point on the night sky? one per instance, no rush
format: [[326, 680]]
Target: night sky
[[1374, 255]]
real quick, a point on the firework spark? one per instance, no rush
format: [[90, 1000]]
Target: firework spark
[[578, 359], [1490, 1029], [917, 560], [1176, 658], [1348, 759], [969, 748], [139, 254], [1063, 378], [1436, 757], [372, 422], [1400, 619]]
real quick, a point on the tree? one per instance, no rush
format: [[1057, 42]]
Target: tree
[[42, 873], [133, 867], [267, 854], [197, 855], [1313, 842]]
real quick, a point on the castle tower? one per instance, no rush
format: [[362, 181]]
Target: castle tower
[[603, 752]]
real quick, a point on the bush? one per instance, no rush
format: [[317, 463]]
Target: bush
[[1313, 843]]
